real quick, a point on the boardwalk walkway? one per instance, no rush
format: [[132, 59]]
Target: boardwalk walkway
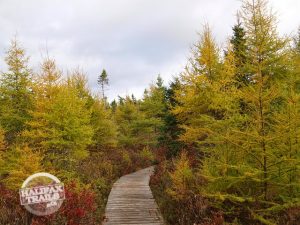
[[131, 201]]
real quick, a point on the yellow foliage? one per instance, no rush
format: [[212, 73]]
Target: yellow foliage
[[182, 178], [2, 147], [2, 143], [21, 162], [147, 154]]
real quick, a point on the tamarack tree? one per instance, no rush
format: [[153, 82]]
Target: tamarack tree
[[242, 112]]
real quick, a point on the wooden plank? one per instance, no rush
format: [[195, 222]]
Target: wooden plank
[[131, 201]]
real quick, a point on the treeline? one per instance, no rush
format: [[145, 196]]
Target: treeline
[[237, 111], [52, 122]]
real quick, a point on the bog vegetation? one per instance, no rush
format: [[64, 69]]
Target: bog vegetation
[[51, 122], [225, 132]]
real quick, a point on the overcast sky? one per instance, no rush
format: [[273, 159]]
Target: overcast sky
[[134, 40]]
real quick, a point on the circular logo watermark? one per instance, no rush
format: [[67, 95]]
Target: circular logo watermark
[[42, 194]]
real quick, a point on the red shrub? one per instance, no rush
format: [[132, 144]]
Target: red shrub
[[11, 212], [78, 208]]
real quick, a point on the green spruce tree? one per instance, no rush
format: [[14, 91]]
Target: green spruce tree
[[102, 81], [16, 92]]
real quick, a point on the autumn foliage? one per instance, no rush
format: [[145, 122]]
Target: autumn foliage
[[225, 132], [50, 121], [238, 107]]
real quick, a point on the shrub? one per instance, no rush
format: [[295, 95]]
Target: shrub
[[11, 210], [146, 156], [78, 208]]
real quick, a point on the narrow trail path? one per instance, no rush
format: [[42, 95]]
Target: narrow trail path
[[131, 201]]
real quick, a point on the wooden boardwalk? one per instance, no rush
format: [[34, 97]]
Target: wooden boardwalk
[[131, 201]]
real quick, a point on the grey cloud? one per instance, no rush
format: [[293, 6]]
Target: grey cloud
[[133, 40]]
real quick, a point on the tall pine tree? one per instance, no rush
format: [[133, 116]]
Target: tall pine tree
[[102, 81]]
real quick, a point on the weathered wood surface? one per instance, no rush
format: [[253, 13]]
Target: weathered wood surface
[[131, 201]]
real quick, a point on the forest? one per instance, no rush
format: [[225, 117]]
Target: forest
[[224, 134]]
